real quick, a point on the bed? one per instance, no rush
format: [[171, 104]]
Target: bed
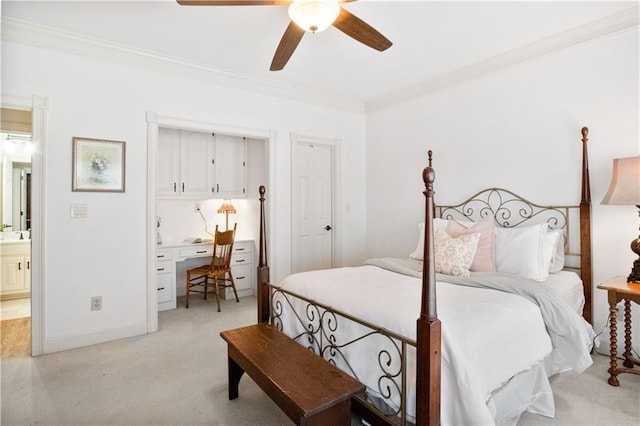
[[483, 351]]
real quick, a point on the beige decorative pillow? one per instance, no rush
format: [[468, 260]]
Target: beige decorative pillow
[[453, 256], [483, 260]]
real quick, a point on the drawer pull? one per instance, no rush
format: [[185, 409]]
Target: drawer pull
[[161, 288], [239, 260], [160, 269], [240, 278], [160, 256], [240, 249], [201, 252]]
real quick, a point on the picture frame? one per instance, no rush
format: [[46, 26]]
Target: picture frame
[[98, 165]]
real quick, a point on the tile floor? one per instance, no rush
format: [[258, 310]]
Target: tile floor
[[15, 308]]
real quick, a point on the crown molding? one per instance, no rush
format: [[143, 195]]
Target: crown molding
[[28, 33], [23, 32], [625, 20]]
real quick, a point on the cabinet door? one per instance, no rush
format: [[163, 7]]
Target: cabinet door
[[168, 173], [27, 273], [196, 164], [13, 273], [231, 167]]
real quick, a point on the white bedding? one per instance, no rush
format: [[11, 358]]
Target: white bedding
[[488, 336], [568, 286]]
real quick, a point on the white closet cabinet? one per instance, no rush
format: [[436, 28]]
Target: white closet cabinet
[[168, 175], [185, 163], [231, 167]]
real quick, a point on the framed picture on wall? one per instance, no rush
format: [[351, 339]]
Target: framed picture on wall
[[98, 165]]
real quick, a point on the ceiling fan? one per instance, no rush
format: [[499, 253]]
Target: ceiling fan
[[312, 16]]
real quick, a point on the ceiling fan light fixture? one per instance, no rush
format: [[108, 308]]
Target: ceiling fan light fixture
[[314, 15]]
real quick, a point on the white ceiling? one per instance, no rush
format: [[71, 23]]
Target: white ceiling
[[431, 39]]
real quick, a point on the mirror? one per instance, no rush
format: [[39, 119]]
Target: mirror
[[15, 210]]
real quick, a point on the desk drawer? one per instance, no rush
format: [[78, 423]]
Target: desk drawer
[[242, 277], [239, 260], [164, 267], [164, 254], [242, 247], [165, 292], [202, 251]]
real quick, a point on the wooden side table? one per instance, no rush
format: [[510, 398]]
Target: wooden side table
[[618, 290]]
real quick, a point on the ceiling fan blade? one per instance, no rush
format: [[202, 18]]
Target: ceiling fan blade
[[232, 2], [359, 30], [290, 39]]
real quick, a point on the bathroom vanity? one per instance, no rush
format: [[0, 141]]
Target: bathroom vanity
[[15, 267]]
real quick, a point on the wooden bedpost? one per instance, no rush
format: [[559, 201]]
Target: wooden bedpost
[[263, 266], [428, 325], [585, 230]]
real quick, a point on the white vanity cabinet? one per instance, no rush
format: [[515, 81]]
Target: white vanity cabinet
[[185, 163], [231, 166], [16, 269]]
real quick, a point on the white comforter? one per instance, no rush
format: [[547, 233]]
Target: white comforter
[[488, 336]]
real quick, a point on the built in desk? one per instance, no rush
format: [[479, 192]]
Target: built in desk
[[168, 256]]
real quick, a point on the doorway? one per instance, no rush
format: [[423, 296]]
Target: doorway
[[265, 163], [313, 201], [16, 150], [37, 107]]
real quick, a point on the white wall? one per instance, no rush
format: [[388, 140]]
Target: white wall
[[105, 253], [517, 128]]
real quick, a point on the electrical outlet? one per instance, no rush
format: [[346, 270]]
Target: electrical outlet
[[96, 303], [197, 208]]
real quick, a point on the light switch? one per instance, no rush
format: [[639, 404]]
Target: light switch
[[77, 211]]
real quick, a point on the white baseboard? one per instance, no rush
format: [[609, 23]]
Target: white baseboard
[[62, 343]]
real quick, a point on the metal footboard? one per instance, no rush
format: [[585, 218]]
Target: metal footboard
[[322, 329]]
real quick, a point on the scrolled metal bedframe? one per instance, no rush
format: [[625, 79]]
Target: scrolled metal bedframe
[[320, 322]]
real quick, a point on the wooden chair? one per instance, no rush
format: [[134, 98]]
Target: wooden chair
[[218, 273]]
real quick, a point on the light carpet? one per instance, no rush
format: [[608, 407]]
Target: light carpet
[[178, 376]]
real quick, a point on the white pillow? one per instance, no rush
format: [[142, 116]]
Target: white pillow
[[453, 256], [525, 251], [438, 223], [557, 257]]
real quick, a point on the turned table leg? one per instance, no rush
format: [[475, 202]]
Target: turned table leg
[[627, 335], [613, 338]]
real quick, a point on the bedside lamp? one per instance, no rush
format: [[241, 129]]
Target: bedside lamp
[[227, 208], [625, 190]]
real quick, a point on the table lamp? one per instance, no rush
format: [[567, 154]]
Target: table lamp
[[227, 208], [625, 190]]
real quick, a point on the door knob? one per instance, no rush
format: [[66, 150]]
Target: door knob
[[328, 228]]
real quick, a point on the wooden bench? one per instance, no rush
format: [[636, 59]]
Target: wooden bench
[[306, 387]]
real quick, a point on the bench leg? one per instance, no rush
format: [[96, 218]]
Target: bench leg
[[235, 373]]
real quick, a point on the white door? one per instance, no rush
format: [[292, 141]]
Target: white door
[[312, 201]]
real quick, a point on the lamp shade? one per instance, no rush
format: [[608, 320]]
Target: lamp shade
[[625, 182], [314, 15], [227, 207]]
